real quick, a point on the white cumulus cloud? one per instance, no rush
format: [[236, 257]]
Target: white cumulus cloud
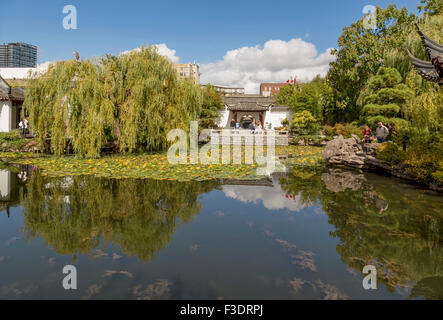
[[276, 61], [163, 50]]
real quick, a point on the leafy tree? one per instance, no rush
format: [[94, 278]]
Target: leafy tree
[[304, 123], [132, 101], [431, 7], [361, 53], [315, 97], [384, 97], [211, 105]]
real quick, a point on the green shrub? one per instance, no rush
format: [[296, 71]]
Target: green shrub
[[304, 123], [390, 153], [328, 131], [347, 129]]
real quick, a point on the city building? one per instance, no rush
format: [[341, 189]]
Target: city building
[[18, 55], [188, 71], [270, 89], [11, 101], [228, 91], [252, 108]]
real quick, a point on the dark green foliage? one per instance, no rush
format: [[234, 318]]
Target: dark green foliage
[[211, 106]]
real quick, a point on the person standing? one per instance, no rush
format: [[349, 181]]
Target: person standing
[[367, 134], [381, 133], [21, 125], [25, 122]]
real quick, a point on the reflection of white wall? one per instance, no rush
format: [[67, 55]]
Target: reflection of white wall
[[5, 116], [273, 198], [5, 184]]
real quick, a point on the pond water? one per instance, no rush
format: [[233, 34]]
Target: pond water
[[306, 234]]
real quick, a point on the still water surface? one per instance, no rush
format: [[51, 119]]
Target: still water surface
[[306, 234]]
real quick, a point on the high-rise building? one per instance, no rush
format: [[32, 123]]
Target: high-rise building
[[18, 55], [189, 71]]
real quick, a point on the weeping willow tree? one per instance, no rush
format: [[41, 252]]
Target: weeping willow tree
[[131, 101]]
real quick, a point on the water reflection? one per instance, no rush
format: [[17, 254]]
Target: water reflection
[[370, 219], [79, 214], [389, 224]]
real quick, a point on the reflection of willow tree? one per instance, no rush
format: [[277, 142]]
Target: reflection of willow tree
[[73, 214], [396, 228]]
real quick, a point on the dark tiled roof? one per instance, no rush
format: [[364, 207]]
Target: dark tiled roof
[[253, 103], [280, 108], [249, 99], [3, 95], [247, 107], [16, 94]]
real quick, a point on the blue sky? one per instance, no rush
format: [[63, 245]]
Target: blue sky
[[197, 30]]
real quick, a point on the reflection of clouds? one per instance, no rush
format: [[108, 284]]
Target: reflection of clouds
[[99, 254], [116, 257], [12, 291], [250, 224], [92, 291], [13, 240], [296, 284], [287, 246], [305, 260], [219, 213], [269, 234], [160, 288], [193, 248], [403, 291], [330, 291], [273, 198], [355, 274], [110, 273]]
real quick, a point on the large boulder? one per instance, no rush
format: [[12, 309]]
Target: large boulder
[[346, 152]]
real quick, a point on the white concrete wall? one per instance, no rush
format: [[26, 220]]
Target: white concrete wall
[[5, 116], [276, 117], [224, 118]]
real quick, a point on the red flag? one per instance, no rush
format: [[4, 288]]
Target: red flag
[[287, 82]]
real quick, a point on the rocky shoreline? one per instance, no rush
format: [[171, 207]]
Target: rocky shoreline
[[354, 154]]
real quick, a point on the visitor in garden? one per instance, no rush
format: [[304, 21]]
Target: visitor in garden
[[367, 134], [233, 123], [25, 123], [21, 125], [381, 133]]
